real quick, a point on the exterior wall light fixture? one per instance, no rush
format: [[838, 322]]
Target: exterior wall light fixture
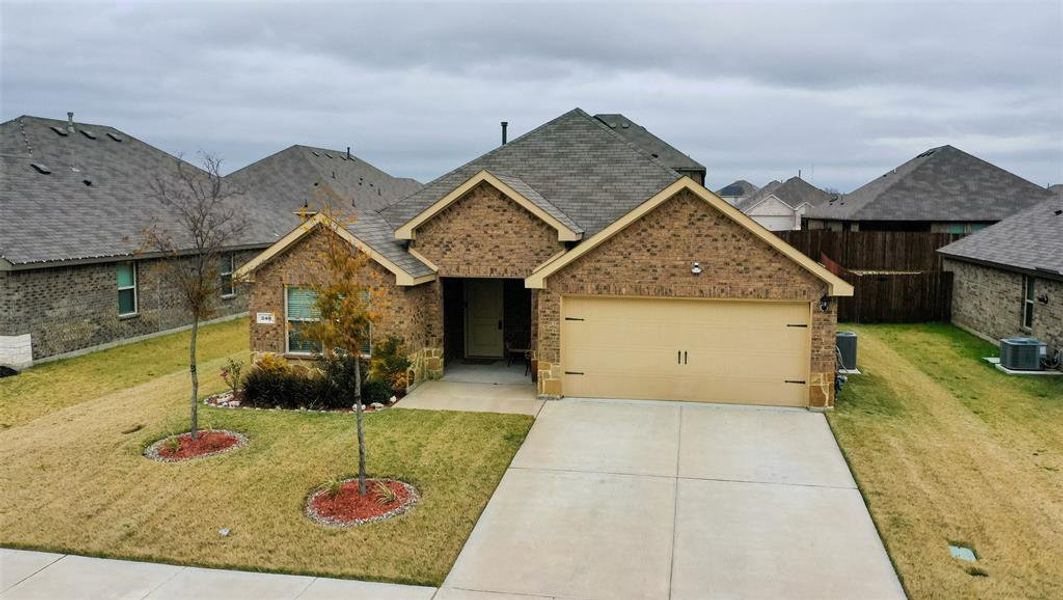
[[824, 303], [696, 268]]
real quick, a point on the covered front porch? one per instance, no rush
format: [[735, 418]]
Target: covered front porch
[[478, 386]]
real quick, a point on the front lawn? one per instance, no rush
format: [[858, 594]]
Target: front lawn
[[56, 385], [73, 480], [947, 449]]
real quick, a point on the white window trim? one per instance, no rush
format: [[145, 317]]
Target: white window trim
[[136, 293], [1028, 298], [232, 281]]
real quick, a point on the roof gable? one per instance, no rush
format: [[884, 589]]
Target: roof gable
[[941, 184], [514, 189], [837, 286], [403, 276]]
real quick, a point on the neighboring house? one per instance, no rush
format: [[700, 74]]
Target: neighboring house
[[1008, 278], [735, 191], [620, 277], [75, 200], [779, 206], [943, 189], [655, 146]]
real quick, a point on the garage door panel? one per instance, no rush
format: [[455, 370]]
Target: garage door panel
[[699, 350]]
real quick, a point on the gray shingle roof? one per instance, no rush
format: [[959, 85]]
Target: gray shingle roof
[[658, 148], [46, 218], [283, 181], [793, 192], [536, 198], [942, 184], [575, 162], [1030, 240], [737, 189]]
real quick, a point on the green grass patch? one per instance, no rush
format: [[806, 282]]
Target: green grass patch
[[56, 385], [945, 447]]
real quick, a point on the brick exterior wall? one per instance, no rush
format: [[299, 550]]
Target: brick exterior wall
[[989, 302], [414, 313], [652, 257], [75, 308], [485, 234]]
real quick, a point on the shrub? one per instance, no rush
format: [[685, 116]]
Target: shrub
[[376, 391], [390, 363], [230, 373], [273, 382]]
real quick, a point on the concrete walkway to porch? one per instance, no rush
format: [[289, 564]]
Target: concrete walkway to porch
[[491, 387]]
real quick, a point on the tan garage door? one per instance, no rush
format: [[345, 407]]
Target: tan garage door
[[698, 350]]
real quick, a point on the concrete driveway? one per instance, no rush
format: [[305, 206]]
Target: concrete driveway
[[624, 499]]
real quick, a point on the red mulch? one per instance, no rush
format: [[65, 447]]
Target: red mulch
[[205, 443], [347, 505]]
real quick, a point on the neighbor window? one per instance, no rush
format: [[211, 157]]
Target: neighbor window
[[225, 269], [300, 310], [1027, 301], [126, 274]]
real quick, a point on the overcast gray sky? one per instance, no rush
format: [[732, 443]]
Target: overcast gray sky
[[842, 90]]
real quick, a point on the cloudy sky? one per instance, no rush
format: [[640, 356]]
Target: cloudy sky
[[841, 90]]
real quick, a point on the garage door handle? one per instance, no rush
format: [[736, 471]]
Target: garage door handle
[[800, 381], [678, 357], [684, 357]]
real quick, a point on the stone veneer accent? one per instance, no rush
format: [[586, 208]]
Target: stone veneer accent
[[652, 257], [414, 313], [75, 308], [989, 301], [485, 234]]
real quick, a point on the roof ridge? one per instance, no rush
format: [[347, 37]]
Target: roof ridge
[[633, 145], [490, 152], [644, 128]]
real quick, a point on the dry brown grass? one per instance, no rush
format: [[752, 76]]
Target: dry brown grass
[[72, 481], [945, 448]]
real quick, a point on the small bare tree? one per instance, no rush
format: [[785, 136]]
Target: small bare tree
[[202, 221]]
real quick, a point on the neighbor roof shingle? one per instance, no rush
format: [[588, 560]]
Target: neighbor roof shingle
[[1031, 240], [737, 189], [942, 184], [574, 162], [793, 192], [284, 181], [658, 148], [97, 199]]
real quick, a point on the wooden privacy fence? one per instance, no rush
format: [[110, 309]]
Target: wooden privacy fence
[[897, 298], [873, 250]]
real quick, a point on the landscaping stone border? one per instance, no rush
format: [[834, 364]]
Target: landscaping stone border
[[412, 498], [225, 400], [152, 451]]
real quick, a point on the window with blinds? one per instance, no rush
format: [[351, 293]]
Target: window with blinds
[[300, 310]]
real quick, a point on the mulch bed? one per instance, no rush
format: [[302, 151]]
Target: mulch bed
[[347, 508], [226, 400], [208, 442]]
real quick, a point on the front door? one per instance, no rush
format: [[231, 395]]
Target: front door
[[483, 318]]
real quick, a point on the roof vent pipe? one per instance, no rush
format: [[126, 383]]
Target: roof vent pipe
[[70, 122], [504, 125], [348, 153]]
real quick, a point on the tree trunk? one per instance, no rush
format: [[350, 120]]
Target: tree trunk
[[361, 432], [195, 377]]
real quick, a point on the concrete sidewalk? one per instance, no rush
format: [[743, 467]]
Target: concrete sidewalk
[[42, 575]]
